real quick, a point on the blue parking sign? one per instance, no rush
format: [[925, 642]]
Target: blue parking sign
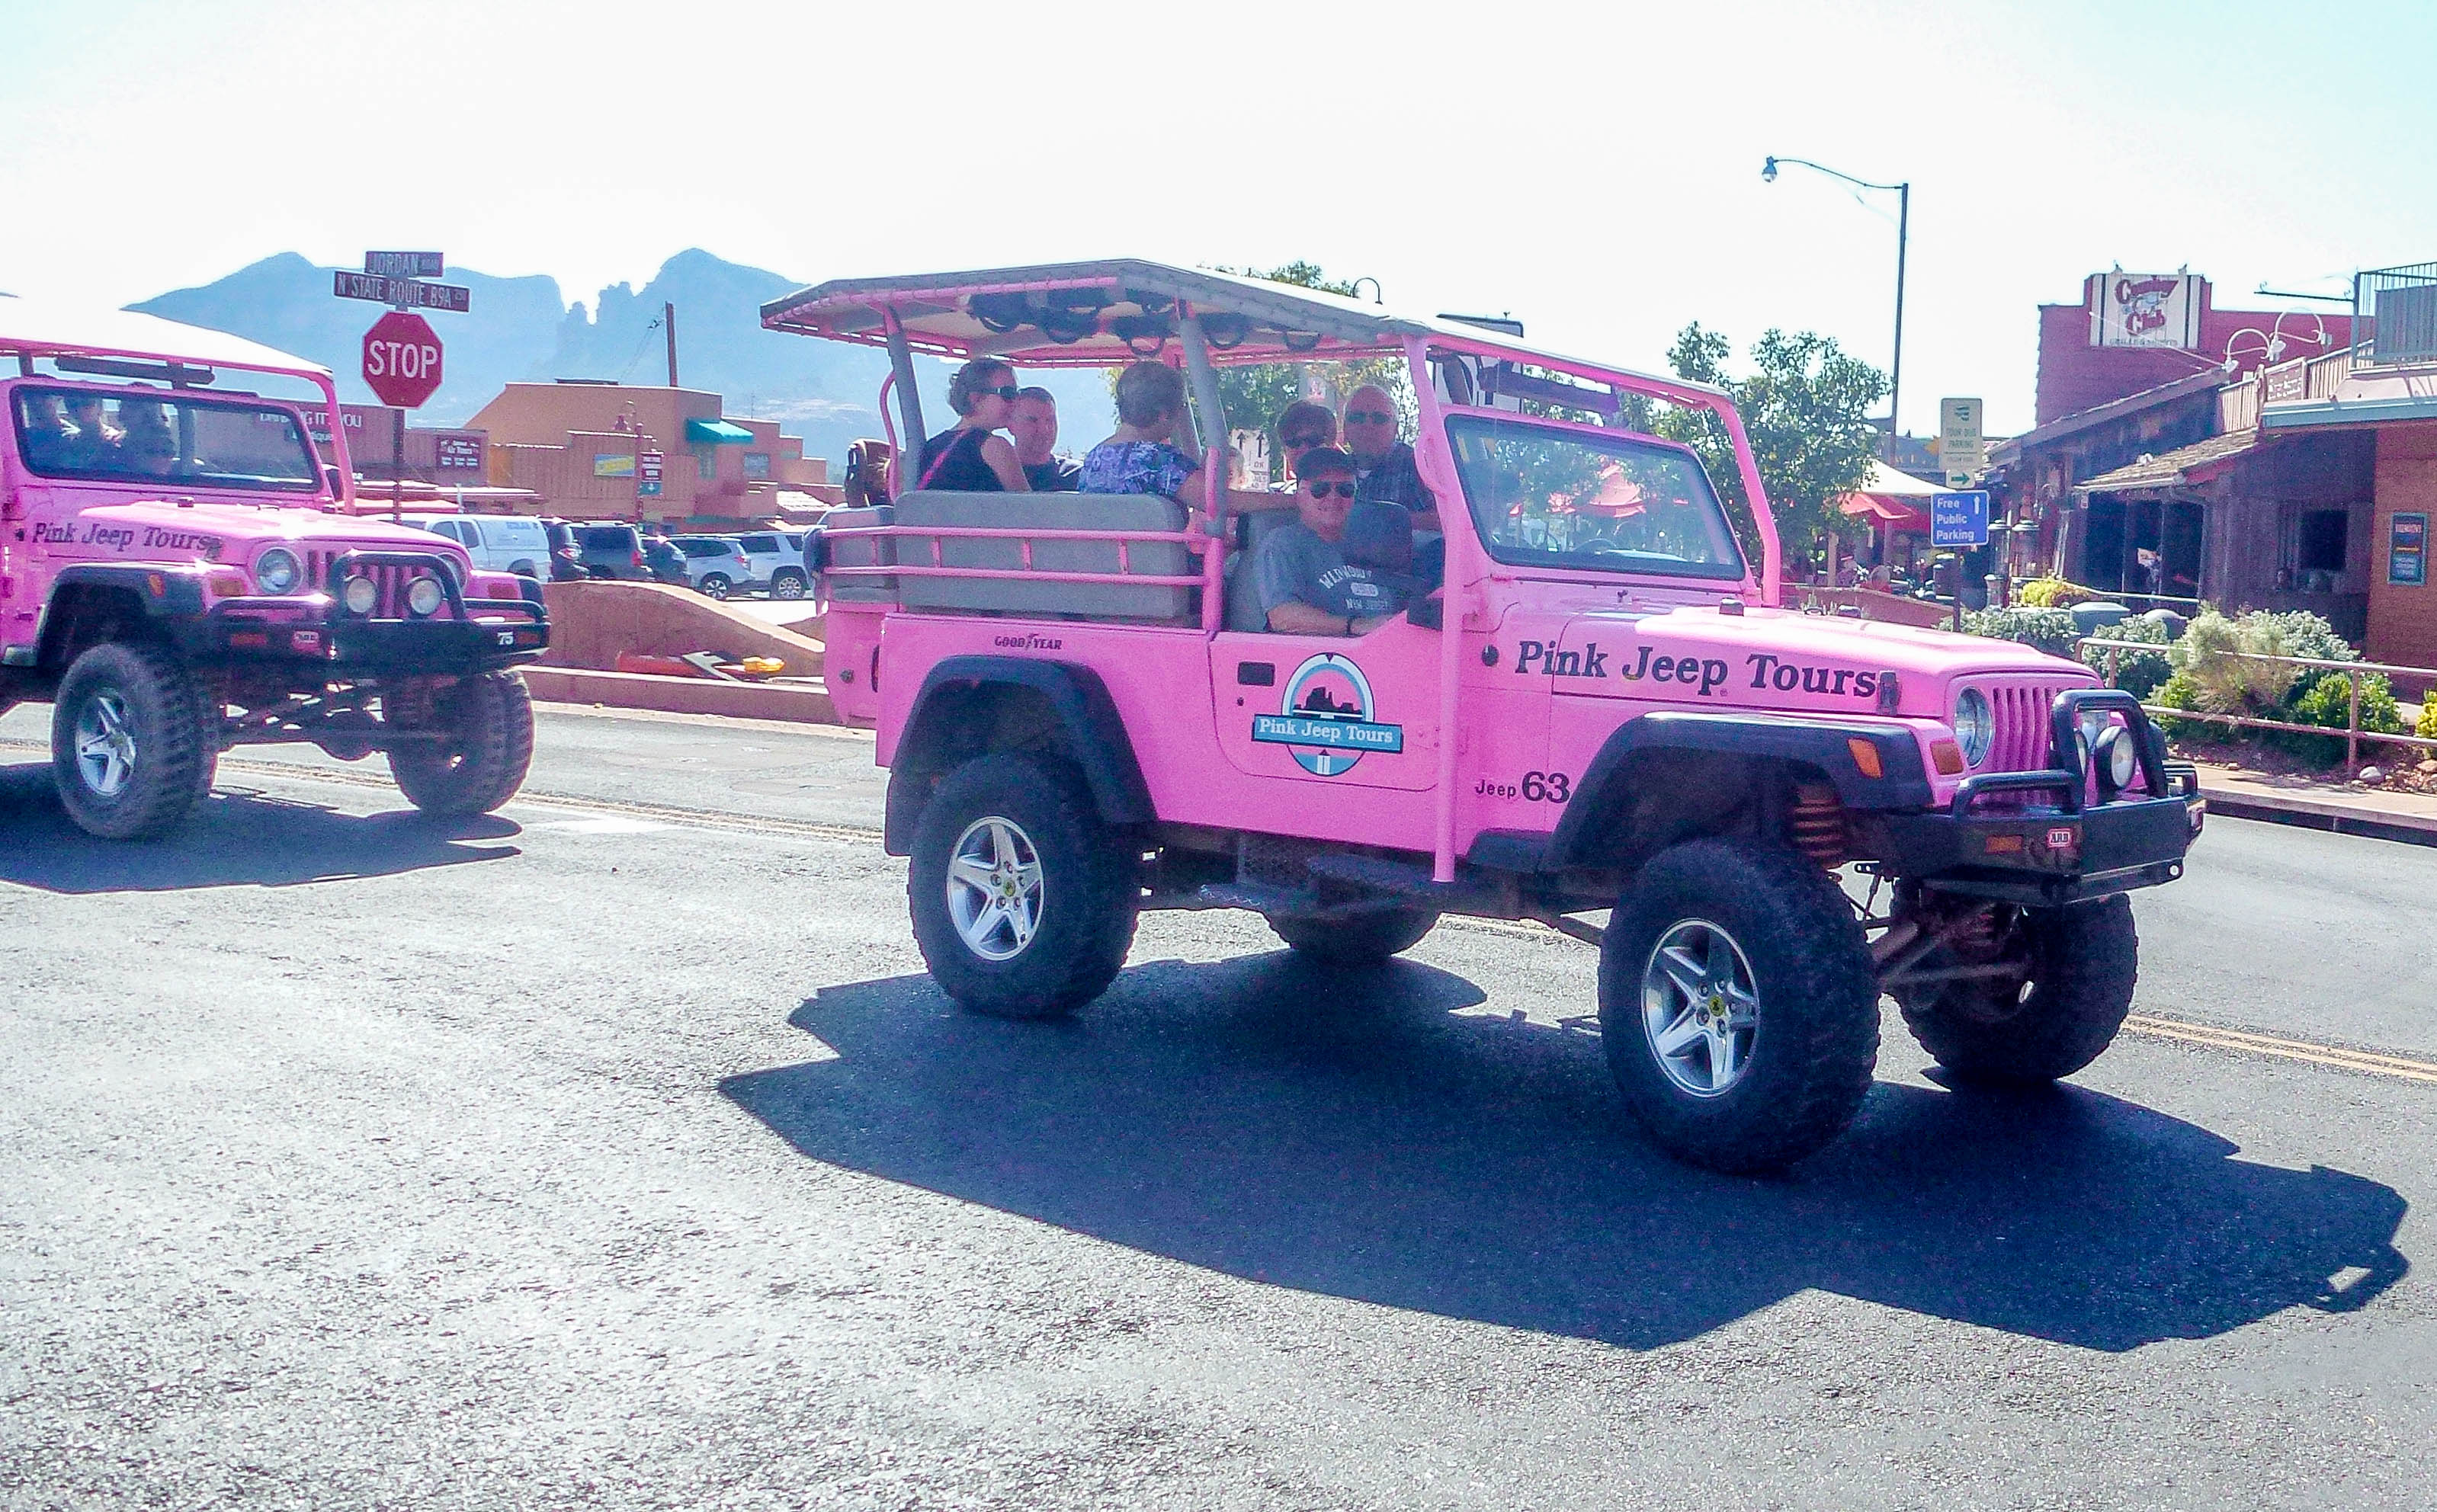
[[1959, 520]]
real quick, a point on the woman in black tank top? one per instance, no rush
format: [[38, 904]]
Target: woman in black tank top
[[972, 457]]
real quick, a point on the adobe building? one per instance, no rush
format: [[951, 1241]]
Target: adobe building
[[2149, 475], [2378, 401], [2134, 332], [603, 450]]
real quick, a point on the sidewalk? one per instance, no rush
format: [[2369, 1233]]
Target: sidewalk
[[2344, 808]]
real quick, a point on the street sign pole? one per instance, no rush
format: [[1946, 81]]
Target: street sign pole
[[398, 279]]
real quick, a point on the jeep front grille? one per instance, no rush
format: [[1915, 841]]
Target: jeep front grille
[[2023, 731]]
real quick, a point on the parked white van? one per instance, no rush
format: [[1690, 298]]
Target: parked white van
[[499, 542]]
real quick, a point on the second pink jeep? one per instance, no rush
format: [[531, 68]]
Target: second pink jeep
[[1602, 720], [181, 572]]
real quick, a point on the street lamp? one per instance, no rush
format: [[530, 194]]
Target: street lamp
[[1904, 228]]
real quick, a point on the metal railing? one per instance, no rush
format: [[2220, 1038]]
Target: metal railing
[[2397, 307], [2354, 671]]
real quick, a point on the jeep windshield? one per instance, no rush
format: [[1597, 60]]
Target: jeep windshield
[[1546, 495], [152, 436]]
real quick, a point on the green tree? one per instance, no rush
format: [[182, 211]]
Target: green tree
[[1804, 405]]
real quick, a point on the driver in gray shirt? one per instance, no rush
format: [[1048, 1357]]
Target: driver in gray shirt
[[1306, 585]]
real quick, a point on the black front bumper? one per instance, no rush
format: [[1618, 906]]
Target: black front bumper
[[2063, 851], [319, 637]]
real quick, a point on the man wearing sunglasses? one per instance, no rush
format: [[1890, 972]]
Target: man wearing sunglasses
[[1306, 586], [1384, 467]]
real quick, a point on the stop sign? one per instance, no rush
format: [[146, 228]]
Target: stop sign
[[401, 359]]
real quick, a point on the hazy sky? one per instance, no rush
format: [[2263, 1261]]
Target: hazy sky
[[1591, 167]]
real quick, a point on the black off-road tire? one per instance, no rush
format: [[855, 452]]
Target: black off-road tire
[[789, 584], [169, 719], [1364, 941], [1814, 1035], [2084, 962], [490, 720], [1087, 896]]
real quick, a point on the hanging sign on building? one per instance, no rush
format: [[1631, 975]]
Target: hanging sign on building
[[2406, 551], [464, 452], [2145, 309], [647, 474], [1962, 452], [613, 464]]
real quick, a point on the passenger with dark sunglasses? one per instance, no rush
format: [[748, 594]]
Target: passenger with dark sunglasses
[[972, 457], [1306, 584], [1383, 464]]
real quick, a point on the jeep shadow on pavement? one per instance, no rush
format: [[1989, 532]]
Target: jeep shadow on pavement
[[1596, 707], [235, 839], [1353, 1134]]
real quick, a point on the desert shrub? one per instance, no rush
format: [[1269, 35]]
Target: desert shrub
[[2179, 692], [2226, 683], [2427, 726], [2327, 699], [2048, 630], [2138, 672]]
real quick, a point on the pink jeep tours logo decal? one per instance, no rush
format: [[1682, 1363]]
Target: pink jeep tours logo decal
[[1324, 719]]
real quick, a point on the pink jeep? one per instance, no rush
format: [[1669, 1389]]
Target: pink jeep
[[1603, 711], [180, 573]]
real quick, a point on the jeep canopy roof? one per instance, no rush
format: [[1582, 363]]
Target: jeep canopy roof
[[1106, 314], [31, 328]]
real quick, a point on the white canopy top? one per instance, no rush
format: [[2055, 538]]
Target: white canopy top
[[37, 328], [1886, 480]]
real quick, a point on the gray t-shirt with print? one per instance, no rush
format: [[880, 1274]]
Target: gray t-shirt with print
[[1295, 564]]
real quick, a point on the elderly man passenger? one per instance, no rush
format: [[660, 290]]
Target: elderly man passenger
[[1307, 586]]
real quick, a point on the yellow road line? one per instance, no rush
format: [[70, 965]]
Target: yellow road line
[[2307, 1051]]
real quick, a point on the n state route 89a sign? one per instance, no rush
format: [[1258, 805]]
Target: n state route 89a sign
[[402, 359]]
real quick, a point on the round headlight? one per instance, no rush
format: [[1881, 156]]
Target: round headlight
[[423, 597], [1975, 725], [362, 594], [2116, 757], [276, 570]]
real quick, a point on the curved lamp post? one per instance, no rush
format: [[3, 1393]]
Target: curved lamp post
[[1904, 228]]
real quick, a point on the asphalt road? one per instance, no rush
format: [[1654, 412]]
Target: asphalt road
[[617, 1151]]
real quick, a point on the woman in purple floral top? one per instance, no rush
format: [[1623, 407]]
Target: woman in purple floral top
[[1140, 459]]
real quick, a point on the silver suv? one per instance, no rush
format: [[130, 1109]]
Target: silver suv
[[777, 559], [714, 565]]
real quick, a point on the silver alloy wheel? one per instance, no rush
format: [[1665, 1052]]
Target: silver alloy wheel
[[105, 745], [788, 586], [994, 888], [1700, 1009]]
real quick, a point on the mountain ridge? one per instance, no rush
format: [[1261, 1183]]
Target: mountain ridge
[[521, 329]]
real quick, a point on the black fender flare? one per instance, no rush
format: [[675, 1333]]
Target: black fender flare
[[1602, 794], [164, 592], [1094, 731]]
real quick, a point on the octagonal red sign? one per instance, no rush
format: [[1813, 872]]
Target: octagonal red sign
[[401, 359]]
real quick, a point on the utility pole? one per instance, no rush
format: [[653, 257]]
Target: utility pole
[[669, 328], [1904, 237]]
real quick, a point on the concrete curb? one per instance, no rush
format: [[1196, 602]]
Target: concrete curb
[[804, 703], [2335, 816]]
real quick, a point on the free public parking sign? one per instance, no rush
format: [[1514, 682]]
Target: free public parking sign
[[402, 359]]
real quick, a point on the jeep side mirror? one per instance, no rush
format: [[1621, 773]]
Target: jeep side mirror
[[1428, 613]]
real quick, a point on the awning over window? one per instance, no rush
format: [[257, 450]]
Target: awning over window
[[716, 433], [1890, 498], [1880, 509]]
